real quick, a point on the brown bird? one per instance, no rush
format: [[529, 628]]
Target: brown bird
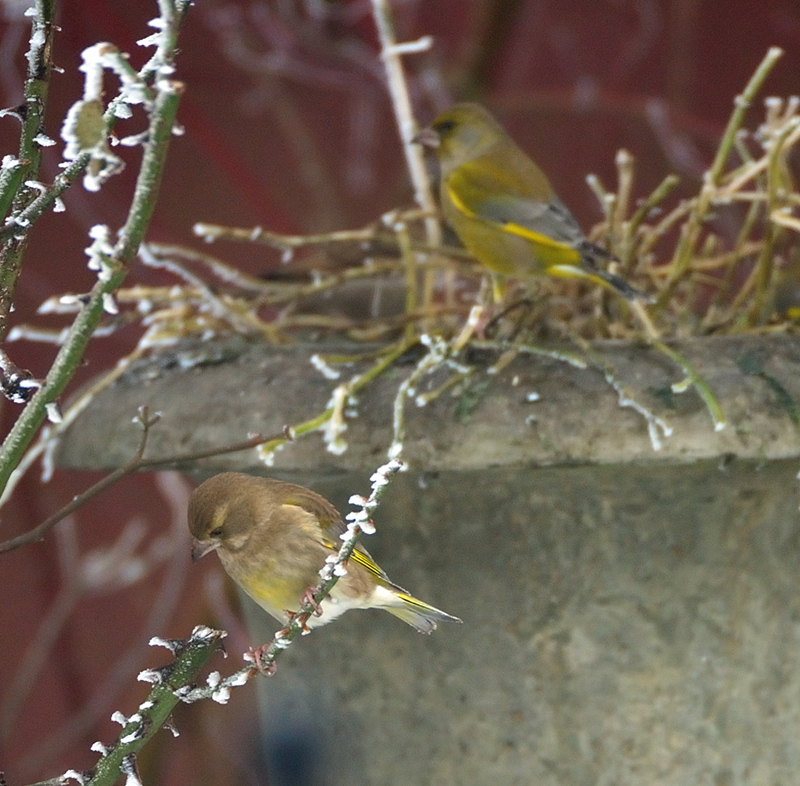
[[273, 538]]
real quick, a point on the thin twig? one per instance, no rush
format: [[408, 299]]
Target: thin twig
[[135, 464], [391, 54], [267, 449]]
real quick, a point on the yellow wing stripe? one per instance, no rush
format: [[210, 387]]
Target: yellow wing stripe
[[514, 229], [459, 204], [539, 239], [361, 559]]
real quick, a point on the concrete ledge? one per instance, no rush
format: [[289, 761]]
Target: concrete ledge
[[234, 389]]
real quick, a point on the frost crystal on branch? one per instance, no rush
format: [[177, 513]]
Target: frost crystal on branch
[[100, 251], [336, 425], [214, 679], [324, 368], [150, 675], [85, 129], [128, 768], [43, 140], [173, 645], [109, 304], [203, 634]]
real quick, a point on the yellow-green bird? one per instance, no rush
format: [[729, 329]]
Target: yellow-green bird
[[503, 208], [273, 538]]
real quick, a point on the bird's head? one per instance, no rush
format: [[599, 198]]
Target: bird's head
[[460, 133], [221, 514]]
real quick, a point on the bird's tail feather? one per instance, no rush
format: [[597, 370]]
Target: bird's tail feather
[[590, 254], [418, 614], [621, 286]]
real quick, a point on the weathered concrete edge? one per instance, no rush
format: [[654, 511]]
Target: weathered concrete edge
[[497, 421]]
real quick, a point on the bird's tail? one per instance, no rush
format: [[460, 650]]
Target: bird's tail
[[418, 614], [621, 286], [590, 254]]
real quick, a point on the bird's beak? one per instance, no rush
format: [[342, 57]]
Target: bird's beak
[[427, 138], [201, 547]]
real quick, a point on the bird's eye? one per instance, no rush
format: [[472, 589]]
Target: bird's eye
[[445, 126], [216, 533]]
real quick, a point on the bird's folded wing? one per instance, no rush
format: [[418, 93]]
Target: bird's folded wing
[[361, 556], [479, 192]]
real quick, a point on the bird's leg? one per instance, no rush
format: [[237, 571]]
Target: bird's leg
[[524, 307], [307, 598], [498, 288]]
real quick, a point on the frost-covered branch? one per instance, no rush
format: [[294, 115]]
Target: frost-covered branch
[[331, 420], [111, 260], [14, 194], [119, 758]]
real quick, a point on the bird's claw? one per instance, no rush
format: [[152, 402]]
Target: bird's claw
[[290, 615], [257, 655], [308, 598]]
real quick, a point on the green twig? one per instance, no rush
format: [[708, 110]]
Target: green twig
[[690, 232], [132, 234], [531, 349], [438, 352], [742, 104], [627, 241], [347, 389], [753, 212], [14, 194], [190, 656], [656, 426], [693, 377], [765, 264], [410, 267], [173, 14], [30, 214]]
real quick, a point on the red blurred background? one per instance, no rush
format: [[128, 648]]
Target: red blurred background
[[288, 125]]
